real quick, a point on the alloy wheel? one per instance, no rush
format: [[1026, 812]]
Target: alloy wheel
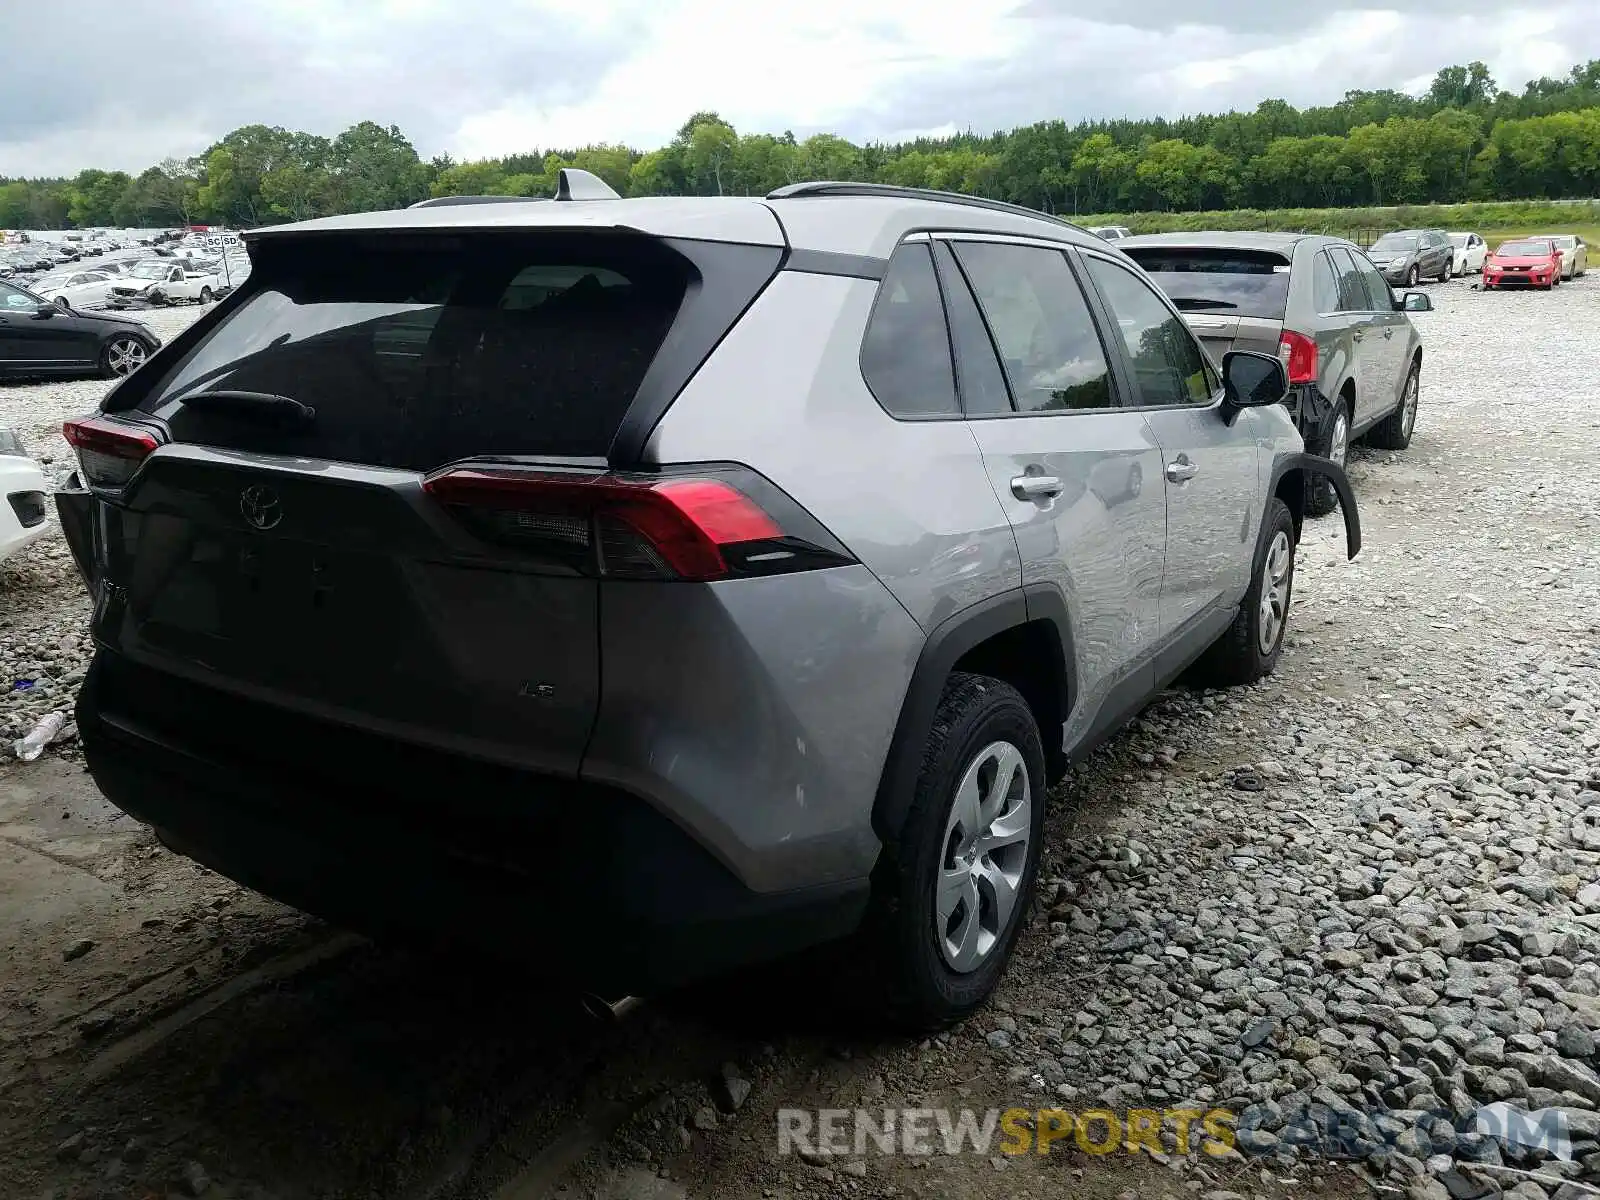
[[1339, 439], [985, 856], [1274, 591], [1408, 410], [125, 355]]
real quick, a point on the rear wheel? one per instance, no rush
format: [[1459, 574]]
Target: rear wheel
[[1333, 444], [1394, 433], [1250, 649], [124, 354], [1449, 270], [953, 891]]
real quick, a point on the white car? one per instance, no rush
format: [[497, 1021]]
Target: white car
[[75, 289], [25, 516], [1471, 250], [1574, 253], [1111, 233], [165, 281]]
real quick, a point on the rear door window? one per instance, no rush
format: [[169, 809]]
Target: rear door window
[[418, 353], [1228, 281], [1041, 325], [1379, 297]]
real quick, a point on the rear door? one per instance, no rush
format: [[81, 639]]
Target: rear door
[[294, 541], [1077, 471], [1209, 476], [17, 344], [1233, 298], [1388, 343], [1364, 332]]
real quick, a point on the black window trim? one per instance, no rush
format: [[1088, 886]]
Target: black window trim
[[1116, 377], [1215, 402], [961, 281]]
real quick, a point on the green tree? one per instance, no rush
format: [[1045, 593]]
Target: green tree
[[374, 167]]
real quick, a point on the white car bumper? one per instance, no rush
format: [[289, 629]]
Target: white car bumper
[[24, 504]]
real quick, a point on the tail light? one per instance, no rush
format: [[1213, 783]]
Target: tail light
[[109, 452], [717, 523], [1299, 355]]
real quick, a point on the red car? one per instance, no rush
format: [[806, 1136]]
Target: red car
[[1527, 262]]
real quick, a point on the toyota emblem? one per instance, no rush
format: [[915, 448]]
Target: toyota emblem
[[259, 505]]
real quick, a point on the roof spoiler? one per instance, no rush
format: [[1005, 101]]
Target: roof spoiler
[[571, 184]]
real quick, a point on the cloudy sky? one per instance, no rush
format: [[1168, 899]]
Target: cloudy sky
[[125, 83]]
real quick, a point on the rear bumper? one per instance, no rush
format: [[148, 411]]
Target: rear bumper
[[1309, 408], [580, 881]]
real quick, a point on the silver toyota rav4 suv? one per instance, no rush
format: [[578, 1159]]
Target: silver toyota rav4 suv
[[654, 586]]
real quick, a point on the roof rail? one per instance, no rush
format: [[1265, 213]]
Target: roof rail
[[574, 183], [835, 188], [445, 201]]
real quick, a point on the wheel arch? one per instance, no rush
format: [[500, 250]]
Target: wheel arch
[[1023, 637]]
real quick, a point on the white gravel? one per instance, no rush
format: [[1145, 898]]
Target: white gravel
[[44, 643]]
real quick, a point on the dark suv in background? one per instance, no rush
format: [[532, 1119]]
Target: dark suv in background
[[1354, 359], [1407, 255]]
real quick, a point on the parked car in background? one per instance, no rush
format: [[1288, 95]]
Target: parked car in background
[[1524, 262], [802, 702], [158, 281], [1111, 233], [37, 337], [1574, 253], [1354, 358], [1470, 250], [25, 513], [1407, 256], [75, 289]]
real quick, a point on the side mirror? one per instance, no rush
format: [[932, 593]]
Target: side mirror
[[45, 311], [1416, 302], [1251, 380]]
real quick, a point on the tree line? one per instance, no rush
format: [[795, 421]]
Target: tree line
[[1465, 138]]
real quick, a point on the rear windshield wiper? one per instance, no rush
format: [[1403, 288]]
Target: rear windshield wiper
[[1202, 302], [268, 406]]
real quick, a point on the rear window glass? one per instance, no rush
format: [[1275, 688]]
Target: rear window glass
[[416, 353], [1241, 283]]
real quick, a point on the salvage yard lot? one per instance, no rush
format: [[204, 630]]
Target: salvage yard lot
[[1376, 870]]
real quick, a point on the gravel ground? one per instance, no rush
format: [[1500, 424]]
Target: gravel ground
[[43, 608], [1366, 890]]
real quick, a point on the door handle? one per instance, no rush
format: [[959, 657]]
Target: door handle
[[1035, 487], [1181, 470]]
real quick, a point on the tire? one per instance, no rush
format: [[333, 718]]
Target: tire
[[927, 980], [205, 295], [1449, 271], [1332, 442], [1252, 645], [1413, 276], [123, 355], [1394, 431]]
